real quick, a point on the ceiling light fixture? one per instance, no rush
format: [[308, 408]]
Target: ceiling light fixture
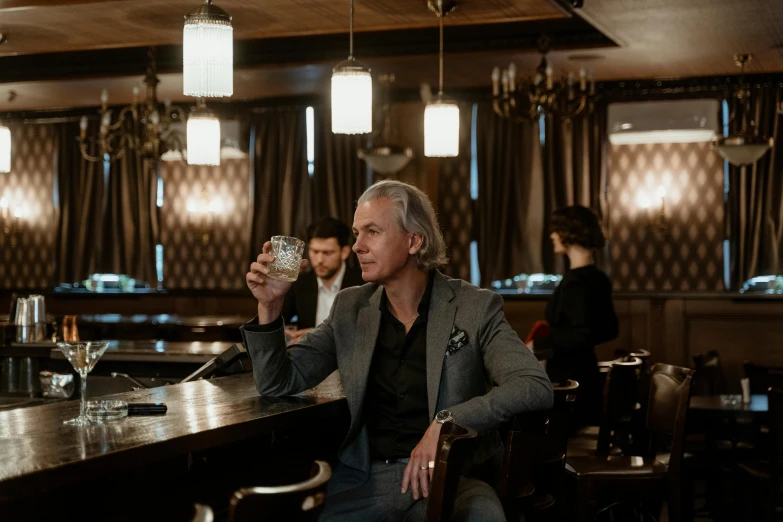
[[208, 52], [203, 136], [5, 149], [351, 94], [441, 115], [528, 98], [385, 157], [746, 146]]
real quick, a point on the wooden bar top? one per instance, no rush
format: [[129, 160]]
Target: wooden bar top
[[142, 351], [158, 351], [38, 452]]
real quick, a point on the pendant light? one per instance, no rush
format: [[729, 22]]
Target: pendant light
[[208, 52], [203, 137], [746, 146], [5, 149], [351, 94], [441, 116]]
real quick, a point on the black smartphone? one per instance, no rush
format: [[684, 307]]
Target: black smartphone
[[147, 408]]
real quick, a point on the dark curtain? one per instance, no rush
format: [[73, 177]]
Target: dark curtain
[[575, 172], [754, 210], [340, 177], [281, 188], [455, 212], [510, 206], [131, 227], [80, 193]]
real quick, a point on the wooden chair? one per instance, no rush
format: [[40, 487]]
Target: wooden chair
[[764, 475], [653, 477], [531, 478], [621, 391], [455, 445], [292, 503], [709, 378]]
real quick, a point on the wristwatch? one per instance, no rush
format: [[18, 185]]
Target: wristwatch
[[443, 416]]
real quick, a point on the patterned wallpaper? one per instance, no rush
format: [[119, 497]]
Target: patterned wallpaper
[[690, 257], [27, 250], [191, 260]]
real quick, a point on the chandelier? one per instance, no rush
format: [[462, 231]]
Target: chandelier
[[528, 98], [144, 126], [746, 146]]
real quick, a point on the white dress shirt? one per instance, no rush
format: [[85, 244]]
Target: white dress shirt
[[326, 296]]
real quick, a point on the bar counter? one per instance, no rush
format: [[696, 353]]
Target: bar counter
[[38, 453]]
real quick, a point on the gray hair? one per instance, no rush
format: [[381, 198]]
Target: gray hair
[[415, 214]]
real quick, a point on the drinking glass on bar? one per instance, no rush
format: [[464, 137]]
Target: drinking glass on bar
[[82, 357], [288, 257]]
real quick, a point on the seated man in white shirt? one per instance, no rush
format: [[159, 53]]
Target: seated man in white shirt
[[312, 295]]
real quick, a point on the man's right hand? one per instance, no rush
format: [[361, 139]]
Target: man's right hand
[[268, 292]]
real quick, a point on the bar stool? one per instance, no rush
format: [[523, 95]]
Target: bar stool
[[293, 502]]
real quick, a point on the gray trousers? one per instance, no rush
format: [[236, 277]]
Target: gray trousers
[[380, 500]]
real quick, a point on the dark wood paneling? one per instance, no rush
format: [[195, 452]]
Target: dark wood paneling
[[674, 329]]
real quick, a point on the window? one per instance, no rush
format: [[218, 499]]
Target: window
[[475, 273], [159, 264], [310, 116], [159, 200], [726, 183]]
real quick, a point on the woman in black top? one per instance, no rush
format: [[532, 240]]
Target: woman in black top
[[580, 313]]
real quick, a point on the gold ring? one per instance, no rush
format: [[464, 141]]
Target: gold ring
[[432, 464], [423, 468]]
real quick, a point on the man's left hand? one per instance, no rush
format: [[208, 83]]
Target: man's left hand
[[418, 474]]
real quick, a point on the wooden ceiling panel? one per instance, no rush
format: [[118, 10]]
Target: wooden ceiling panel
[[62, 25]]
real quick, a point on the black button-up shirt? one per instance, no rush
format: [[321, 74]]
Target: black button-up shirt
[[395, 407]]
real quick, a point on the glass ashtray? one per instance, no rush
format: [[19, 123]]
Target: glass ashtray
[[106, 410]]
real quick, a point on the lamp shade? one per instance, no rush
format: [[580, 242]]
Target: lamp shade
[[441, 129], [203, 138], [208, 52], [351, 99], [5, 149], [386, 159], [742, 150]]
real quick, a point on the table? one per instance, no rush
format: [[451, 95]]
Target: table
[[758, 404], [37, 452]]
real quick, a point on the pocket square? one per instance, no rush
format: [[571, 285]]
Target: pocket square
[[457, 340]]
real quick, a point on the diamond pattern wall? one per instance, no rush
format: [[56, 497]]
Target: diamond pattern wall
[[690, 257], [189, 260], [27, 251]]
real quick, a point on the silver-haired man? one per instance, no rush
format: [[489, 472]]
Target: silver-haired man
[[414, 349]]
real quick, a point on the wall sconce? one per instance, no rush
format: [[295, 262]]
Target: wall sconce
[[655, 212], [12, 217], [201, 215]]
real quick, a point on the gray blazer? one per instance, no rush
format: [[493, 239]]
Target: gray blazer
[[477, 367]]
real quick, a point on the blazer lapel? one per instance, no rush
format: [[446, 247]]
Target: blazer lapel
[[367, 325], [440, 321]]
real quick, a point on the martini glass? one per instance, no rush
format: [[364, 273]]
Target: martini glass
[[82, 357]]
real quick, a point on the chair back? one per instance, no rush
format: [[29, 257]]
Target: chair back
[[524, 443], [670, 392], [709, 378], [775, 421], [562, 415], [621, 393], [455, 446], [292, 503], [763, 377]]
